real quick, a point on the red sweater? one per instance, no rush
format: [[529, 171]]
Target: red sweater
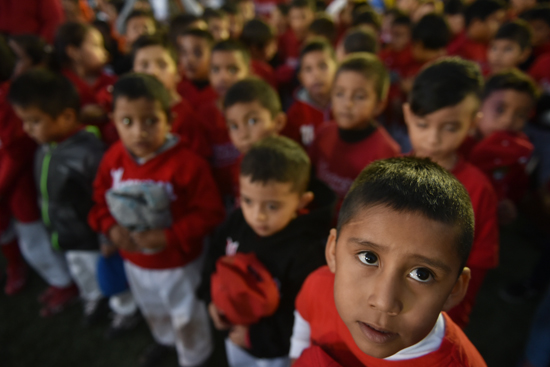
[[91, 94], [264, 71], [329, 332], [484, 253], [189, 126], [289, 48], [396, 61], [470, 50], [41, 17], [338, 163], [540, 71], [196, 97], [196, 206]]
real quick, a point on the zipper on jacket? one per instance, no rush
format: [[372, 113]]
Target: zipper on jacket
[[45, 196]]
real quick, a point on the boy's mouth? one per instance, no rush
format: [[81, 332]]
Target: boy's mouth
[[376, 334]]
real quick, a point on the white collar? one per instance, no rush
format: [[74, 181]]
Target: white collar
[[429, 344]]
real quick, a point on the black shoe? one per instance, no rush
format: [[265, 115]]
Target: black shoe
[[518, 293], [154, 354], [121, 324], [95, 311]]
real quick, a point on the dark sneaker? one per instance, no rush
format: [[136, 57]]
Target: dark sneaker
[[16, 278], [57, 299], [121, 324], [154, 354], [517, 293], [95, 311]]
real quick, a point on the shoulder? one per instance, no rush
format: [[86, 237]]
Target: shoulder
[[320, 279], [461, 349], [473, 179]]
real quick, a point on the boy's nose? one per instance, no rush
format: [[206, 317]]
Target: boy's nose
[[385, 294]]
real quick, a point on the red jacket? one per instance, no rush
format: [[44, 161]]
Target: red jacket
[[264, 71], [469, 50], [189, 126], [196, 97], [396, 61], [329, 332], [91, 94], [540, 71], [196, 205], [41, 17]]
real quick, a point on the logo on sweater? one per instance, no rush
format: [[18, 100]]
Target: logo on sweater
[[118, 182], [231, 247], [308, 134]]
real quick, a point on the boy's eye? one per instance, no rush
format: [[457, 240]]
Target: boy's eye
[[359, 97], [233, 69], [162, 64], [126, 121], [368, 258], [215, 69], [421, 274], [252, 121], [245, 201], [272, 206], [231, 126], [323, 66], [150, 121], [451, 127]]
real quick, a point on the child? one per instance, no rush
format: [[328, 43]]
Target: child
[[182, 22], [356, 40], [454, 15], [278, 18], [511, 46], [367, 19], [539, 21], [397, 53], [322, 26], [230, 63], [260, 40], [161, 247], [388, 284], [300, 15], [153, 55], [218, 24], [235, 18], [358, 97], [40, 17], [482, 19], [274, 224], [443, 106], [312, 102], [64, 169], [194, 49]]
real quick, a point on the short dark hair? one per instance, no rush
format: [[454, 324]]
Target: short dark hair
[[453, 7], [150, 40], [210, 13], [371, 68], [432, 31], [481, 9], [136, 85], [317, 44], [277, 159], [301, 4], [231, 45], [360, 40], [50, 92], [511, 79], [402, 19], [7, 60], [179, 24], [139, 13], [517, 31], [251, 90], [539, 12], [35, 47], [283, 8], [410, 184], [323, 26], [68, 34], [199, 33], [230, 8], [367, 16], [444, 83], [257, 33]]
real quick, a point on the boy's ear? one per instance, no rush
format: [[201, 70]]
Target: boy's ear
[[72, 52], [407, 113], [306, 198], [459, 290], [68, 116], [280, 122], [330, 250], [525, 54], [475, 120], [381, 106]]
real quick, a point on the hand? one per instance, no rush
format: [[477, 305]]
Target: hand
[[92, 114], [120, 237], [218, 317], [239, 336], [507, 212], [154, 239], [107, 249]]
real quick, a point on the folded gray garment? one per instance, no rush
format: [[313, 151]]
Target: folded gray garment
[[141, 206]]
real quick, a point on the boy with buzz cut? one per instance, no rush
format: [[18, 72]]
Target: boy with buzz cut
[[283, 220], [443, 107], [155, 201], [312, 102], [261, 41], [65, 166], [510, 48], [387, 284]]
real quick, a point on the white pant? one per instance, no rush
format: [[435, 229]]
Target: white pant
[[36, 248], [175, 316], [237, 357], [123, 303], [83, 267]]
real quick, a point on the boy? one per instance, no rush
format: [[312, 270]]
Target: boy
[[387, 283], [356, 40], [397, 53], [322, 26], [358, 97], [300, 15], [312, 102], [510, 48], [194, 50], [260, 40], [235, 18], [230, 63], [64, 168], [443, 106], [482, 19], [539, 21], [273, 224], [161, 261], [218, 24]]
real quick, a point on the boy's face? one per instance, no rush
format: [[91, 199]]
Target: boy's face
[[247, 9], [355, 102], [268, 208], [142, 125], [505, 110], [44, 128], [456, 23], [278, 21], [505, 54], [406, 6], [227, 68], [250, 122], [235, 25], [439, 134], [92, 55], [392, 280], [522, 5], [299, 20], [541, 32], [194, 57], [485, 30], [137, 27], [316, 75], [400, 36], [156, 61], [219, 27]]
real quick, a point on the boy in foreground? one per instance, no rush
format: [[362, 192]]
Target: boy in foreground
[[387, 283]]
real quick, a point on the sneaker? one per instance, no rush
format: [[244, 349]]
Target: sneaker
[[95, 311], [58, 299], [16, 278], [519, 292], [154, 354], [121, 324]]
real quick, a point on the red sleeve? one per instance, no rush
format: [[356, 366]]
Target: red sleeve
[[541, 68], [485, 249], [188, 125], [52, 16], [100, 218], [199, 206], [295, 117]]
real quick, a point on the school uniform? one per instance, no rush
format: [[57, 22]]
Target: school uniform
[[318, 324], [470, 50], [196, 93], [188, 125], [40, 17], [264, 71], [395, 61], [89, 93], [540, 71]]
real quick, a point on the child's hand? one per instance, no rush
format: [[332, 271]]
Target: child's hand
[[507, 212], [239, 336], [107, 249], [154, 239], [218, 317], [120, 237]]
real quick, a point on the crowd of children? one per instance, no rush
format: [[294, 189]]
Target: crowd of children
[[188, 170]]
